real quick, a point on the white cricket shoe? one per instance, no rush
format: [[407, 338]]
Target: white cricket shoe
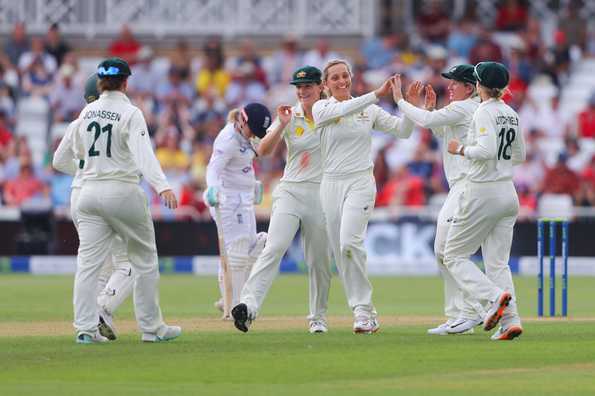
[[318, 326], [441, 329], [463, 326], [363, 325], [510, 333], [106, 325], [166, 333], [90, 338], [496, 311]]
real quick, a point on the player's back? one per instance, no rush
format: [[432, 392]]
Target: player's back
[[103, 136]]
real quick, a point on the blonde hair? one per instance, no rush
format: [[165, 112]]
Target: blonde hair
[[232, 116], [496, 93]]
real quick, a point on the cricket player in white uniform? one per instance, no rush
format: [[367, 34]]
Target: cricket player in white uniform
[[232, 186], [348, 188], [113, 140], [450, 122], [115, 280], [488, 207], [296, 206]]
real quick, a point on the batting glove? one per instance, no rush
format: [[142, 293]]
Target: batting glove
[[211, 196], [258, 192]]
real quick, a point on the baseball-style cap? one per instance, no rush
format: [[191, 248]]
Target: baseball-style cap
[[491, 74], [91, 91], [463, 73], [113, 67], [258, 118], [306, 75]]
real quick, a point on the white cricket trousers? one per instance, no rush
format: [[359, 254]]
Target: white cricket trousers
[[106, 209], [485, 216], [296, 206], [115, 279], [238, 223], [347, 203], [455, 303]]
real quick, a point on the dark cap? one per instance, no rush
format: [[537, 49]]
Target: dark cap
[[307, 75], [258, 118], [491, 74], [463, 73], [113, 67], [91, 91]]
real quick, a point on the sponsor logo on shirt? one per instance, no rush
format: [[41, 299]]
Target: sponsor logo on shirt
[[299, 131], [362, 117], [247, 169]]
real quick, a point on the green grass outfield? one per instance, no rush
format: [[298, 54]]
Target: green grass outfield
[[552, 357]]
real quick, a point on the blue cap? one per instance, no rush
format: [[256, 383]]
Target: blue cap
[[258, 118]]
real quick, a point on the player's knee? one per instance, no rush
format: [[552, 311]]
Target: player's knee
[[349, 248]]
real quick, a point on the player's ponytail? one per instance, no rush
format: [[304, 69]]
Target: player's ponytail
[[232, 116]]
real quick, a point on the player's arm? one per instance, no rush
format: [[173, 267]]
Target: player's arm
[[396, 126], [64, 159], [142, 152], [275, 133], [326, 112], [486, 146], [519, 150], [448, 115]]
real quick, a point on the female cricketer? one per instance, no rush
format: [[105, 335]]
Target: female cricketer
[[232, 187], [115, 279], [113, 140], [489, 205], [296, 206], [348, 188], [450, 122]]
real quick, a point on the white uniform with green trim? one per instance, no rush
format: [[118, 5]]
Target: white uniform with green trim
[[113, 139], [115, 280], [348, 188], [296, 206], [450, 122], [488, 206]]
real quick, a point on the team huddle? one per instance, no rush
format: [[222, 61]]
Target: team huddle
[[327, 192]]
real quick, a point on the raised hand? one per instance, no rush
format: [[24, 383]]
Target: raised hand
[[430, 99], [413, 94], [284, 114], [396, 84], [384, 89]]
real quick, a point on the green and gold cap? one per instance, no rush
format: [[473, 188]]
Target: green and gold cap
[[307, 75], [462, 73], [91, 91], [492, 74]]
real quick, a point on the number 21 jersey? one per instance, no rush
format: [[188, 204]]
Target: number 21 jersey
[[113, 139], [494, 143]]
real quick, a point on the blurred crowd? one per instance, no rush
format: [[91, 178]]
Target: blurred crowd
[[185, 95]]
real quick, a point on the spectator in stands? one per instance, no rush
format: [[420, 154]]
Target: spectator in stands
[[175, 91], [37, 80], [208, 107], [248, 54], [6, 139], [559, 59], [181, 59], [433, 21], [170, 156], [485, 48], [37, 54], [402, 189], [17, 44], [7, 104], [125, 46], [587, 190], [321, 54], [462, 38], [212, 72], [586, 120], [55, 45], [245, 87], [144, 78], [8, 74], [574, 27], [285, 61], [66, 97], [561, 179], [379, 52], [437, 57], [512, 15], [23, 187]]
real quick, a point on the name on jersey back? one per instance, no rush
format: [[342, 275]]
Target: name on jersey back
[[107, 115]]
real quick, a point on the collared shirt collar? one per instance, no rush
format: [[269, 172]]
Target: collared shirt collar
[[298, 111]]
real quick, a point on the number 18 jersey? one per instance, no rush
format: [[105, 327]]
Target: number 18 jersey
[[113, 139], [494, 143]]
